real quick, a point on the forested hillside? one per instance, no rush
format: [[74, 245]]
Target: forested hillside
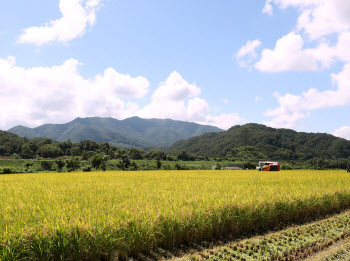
[[274, 143]]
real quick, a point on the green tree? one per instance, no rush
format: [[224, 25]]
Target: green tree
[[185, 156], [5, 150], [50, 151], [111, 153], [99, 161], [87, 154], [135, 153], [46, 165], [28, 164], [73, 164], [75, 151], [247, 153], [59, 164], [124, 162], [133, 166], [15, 156], [26, 152], [158, 164]]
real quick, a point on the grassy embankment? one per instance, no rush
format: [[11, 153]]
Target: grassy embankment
[[105, 214]]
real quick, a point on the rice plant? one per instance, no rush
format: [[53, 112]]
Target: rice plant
[[105, 215]]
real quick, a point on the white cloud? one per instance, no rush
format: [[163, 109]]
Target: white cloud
[[324, 17], [268, 7], [59, 93], [317, 18], [343, 132], [197, 109], [320, 38], [171, 100], [247, 54], [128, 87], [175, 88], [177, 99], [295, 107], [318, 22], [289, 55], [76, 16], [224, 121]]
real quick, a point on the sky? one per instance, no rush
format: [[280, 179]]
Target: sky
[[282, 63]]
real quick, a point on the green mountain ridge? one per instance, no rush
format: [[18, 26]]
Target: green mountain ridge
[[274, 143], [132, 132]]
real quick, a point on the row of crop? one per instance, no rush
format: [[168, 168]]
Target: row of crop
[[133, 238], [295, 243]]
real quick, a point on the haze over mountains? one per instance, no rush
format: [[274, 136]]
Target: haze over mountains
[[133, 132]]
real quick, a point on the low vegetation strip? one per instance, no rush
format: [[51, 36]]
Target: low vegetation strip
[[79, 216], [328, 239]]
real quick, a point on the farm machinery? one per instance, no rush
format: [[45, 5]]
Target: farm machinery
[[268, 166]]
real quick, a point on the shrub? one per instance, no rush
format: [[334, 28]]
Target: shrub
[[218, 167], [166, 167], [15, 156], [180, 167], [286, 167], [46, 165], [7, 171], [86, 169], [248, 165]]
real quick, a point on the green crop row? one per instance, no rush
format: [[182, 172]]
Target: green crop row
[[81, 216]]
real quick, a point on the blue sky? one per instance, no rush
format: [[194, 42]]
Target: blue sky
[[283, 63]]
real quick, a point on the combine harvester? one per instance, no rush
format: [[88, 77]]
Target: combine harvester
[[268, 166]]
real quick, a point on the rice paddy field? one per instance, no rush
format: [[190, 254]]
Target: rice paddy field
[[110, 215]]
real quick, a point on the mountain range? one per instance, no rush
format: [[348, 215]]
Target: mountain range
[[132, 132]]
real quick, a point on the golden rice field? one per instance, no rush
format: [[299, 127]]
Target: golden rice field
[[104, 215]]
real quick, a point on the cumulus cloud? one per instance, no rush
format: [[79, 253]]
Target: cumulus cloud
[[343, 132], [175, 88], [77, 15], [295, 107], [170, 99], [224, 121], [178, 99], [323, 17], [319, 40], [128, 87], [59, 93], [247, 55], [318, 22], [289, 55]]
